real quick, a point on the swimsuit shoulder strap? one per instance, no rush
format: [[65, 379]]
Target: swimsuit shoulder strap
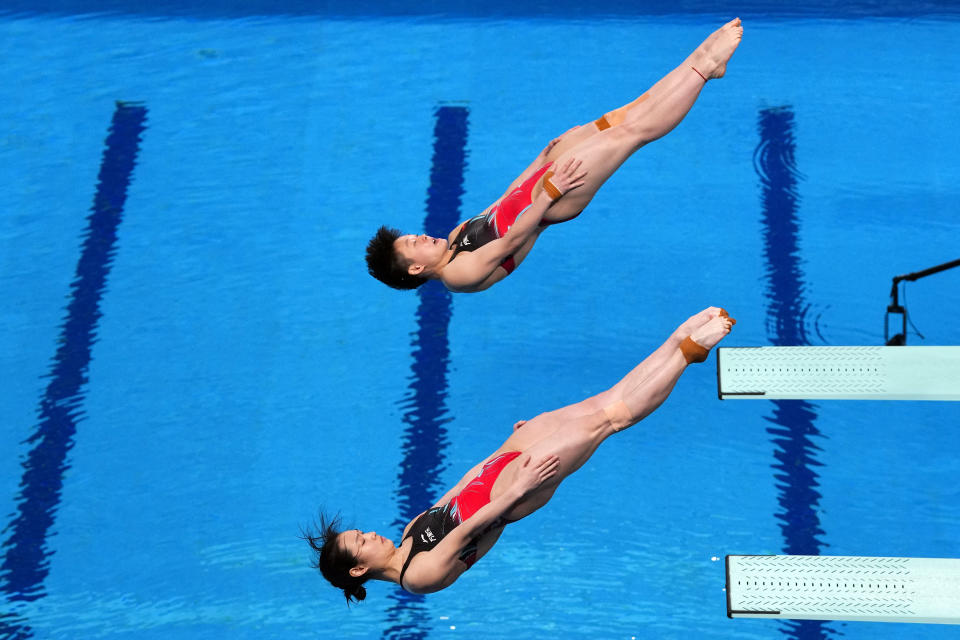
[[406, 564], [427, 531], [413, 545]]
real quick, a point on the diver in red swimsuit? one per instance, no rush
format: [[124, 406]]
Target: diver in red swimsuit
[[496, 222], [514, 481], [584, 158]]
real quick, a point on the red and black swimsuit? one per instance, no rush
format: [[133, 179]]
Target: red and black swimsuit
[[481, 229], [434, 524]]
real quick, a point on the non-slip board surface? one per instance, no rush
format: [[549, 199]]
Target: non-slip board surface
[[868, 589], [839, 373]]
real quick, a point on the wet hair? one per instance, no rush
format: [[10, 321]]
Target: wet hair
[[383, 263], [333, 561]]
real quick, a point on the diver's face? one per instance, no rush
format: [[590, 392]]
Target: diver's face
[[421, 253], [369, 549]]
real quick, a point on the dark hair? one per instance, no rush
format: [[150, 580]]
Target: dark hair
[[333, 560], [384, 264]]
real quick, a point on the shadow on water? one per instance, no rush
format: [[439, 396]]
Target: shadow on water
[[26, 560], [424, 406], [794, 432]]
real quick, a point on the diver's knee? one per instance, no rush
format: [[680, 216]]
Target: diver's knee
[[619, 415], [640, 133]]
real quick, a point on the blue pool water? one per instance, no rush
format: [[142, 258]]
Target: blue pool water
[[194, 359]]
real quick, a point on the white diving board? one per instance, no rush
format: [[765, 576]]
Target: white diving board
[[923, 590], [839, 373]]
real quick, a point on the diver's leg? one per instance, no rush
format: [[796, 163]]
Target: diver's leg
[[571, 139], [657, 359], [673, 95], [668, 101], [641, 391], [636, 399], [574, 432], [648, 118], [635, 377]]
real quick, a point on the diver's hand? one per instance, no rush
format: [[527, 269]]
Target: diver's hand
[[566, 178], [531, 476]]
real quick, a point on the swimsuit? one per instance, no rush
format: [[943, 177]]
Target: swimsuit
[[481, 229], [433, 525]]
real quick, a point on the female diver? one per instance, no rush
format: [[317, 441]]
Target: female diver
[[486, 248], [514, 481]]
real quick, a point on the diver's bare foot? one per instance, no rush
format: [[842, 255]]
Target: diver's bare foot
[[715, 330], [695, 321], [519, 424], [712, 56]]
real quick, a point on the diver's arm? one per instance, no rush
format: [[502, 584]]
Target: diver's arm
[[438, 568], [538, 162], [472, 269], [457, 488]]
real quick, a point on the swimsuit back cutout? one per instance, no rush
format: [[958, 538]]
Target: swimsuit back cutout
[[433, 525]]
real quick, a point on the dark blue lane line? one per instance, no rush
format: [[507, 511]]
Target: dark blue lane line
[[425, 405], [489, 10], [26, 560], [794, 431]]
